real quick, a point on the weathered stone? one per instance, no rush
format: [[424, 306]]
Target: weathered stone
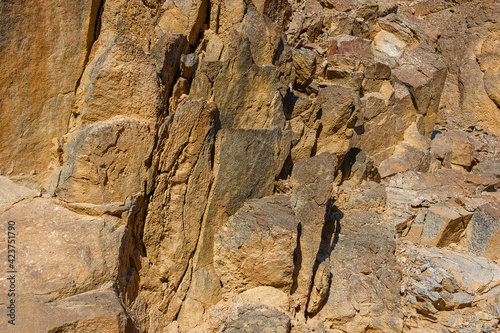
[[350, 46], [255, 246], [166, 53], [259, 320], [265, 296], [247, 93], [405, 157], [462, 300], [378, 71], [360, 253], [320, 288], [464, 36], [337, 114], [280, 11], [179, 93], [483, 233], [366, 197], [394, 112], [173, 221], [424, 73], [304, 68], [444, 224], [473, 274], [312, 184], [242, 159], [224, 14], [389, 45], [184, 17], [106, 162], [42, 59], [66, 282], [189, 64]]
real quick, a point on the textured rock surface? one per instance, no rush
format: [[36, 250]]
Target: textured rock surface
[[250, 249], [190, 166], [64, 281]]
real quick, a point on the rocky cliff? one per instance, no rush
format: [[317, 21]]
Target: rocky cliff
[[251, 166]]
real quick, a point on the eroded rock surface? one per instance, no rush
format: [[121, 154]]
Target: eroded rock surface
[[251, 166]]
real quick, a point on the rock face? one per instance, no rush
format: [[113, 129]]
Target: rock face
[[250, 166]]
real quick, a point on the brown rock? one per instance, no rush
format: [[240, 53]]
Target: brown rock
[[280, 11], [175, 211], [246, 164], [184, 17], [224, 14], [405, 157], [350, 46], [66, 282], [304, 68], [483, 233], [337, 114], [312, 184], [424, 73], [444, 224], [259, 320], [378, 71], [360, 253], [247, 93], [189, 64], [255, 246], [166, 53], [42, 60], [105, 163], [464, 38]]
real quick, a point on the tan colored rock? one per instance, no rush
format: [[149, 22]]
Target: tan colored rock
[[242, 158], [179, 93], [173, 222], [122, 83], [255, 246], [405, 157], [246, 165], [453, 286], [463, 33], [247, 90], [65, 282], [392, 111], [444, 224], [424, 73], [265, 296], [166, 54], [361, 254], [280, 11], [105, 163], [42, 60], [225, 14], [305, 125], [259, 320], [247, 94], [338, 114], [370, 196], [304, 68], [388, 45], [311, 180], [184, 17]]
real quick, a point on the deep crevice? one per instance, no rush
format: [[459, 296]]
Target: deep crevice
[[93, 32]]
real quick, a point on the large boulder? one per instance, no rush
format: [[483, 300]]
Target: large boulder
[[67, 283]]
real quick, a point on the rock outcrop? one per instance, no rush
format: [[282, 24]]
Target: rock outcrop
[[250, 166]]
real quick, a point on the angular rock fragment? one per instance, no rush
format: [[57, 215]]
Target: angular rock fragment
[[483, 234], [311, 180], [255, 246]]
